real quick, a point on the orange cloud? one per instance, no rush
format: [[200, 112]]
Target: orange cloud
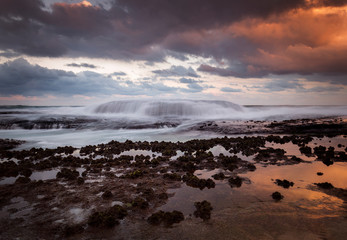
[[78, 18], [80, 4], [303, 41]]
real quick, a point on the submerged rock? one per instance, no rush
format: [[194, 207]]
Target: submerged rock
[[80, 180], [102, 219], [277, 196], [218, 176], [139, 203], [327, 161], [325, 185], [71, 230], [135, 174], [108, 218], [172, 176], [23, 180], [284, 183], [203, 210], [195, 182], [306, 150], [68, 174], [168, 218], [235, 182]]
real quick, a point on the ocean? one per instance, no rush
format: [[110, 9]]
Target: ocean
[[141, 120]]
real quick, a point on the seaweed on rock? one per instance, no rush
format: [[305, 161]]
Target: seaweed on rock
[[195, 182], [168, 218], [284, 183], [203, 210], [277, 196]]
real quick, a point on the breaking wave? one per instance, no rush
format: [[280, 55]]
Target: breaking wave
[[169, 108], [167, 120]]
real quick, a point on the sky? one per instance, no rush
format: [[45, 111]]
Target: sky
[[250, 52]]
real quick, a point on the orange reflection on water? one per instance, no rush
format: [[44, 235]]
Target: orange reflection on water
[[304, 195]]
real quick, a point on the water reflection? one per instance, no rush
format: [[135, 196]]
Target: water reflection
[[257, 193]]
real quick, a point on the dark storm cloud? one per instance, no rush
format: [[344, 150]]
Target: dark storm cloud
[[85, 65], [334, 3], [126, 30], [177, 71], [19, 77], [224, 72], [195, 14], [332, 79], [134, 30], [240, 72], [278, 85]]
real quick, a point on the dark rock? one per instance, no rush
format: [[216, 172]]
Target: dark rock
[[163, 196], [135, 174], [148, 193], [172, 176], [195, 182], [218, 176], [306, 150], [71, 230], [203, 210], [251, 167], [140, 203], [284, 183], [102, 219], [235, 181], [168, 218], [296, 159], [80, 180], [68, 174], [23, 180], [108, 218], [327, 161], [319, 151], [107, 195], [277, 196], [325, 185], [9, 169], [118, 211], [26, 172]]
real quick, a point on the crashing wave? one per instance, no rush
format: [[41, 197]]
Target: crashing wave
[[169, 108]]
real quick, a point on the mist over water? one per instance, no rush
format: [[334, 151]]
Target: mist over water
[[203, 109], [170, 108], [169, 120]]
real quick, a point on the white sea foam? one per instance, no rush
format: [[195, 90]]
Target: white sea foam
[[169, 108], [145, 120]]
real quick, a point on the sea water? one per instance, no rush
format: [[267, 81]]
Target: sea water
[[138, 120]]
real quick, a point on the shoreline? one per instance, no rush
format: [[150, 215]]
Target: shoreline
[[138, 176]]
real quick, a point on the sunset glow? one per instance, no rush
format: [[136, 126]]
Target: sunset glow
[[233, 51]]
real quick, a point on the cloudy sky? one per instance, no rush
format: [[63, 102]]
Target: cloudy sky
[[56, 52]]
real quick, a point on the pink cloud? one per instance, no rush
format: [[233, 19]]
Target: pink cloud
[[19, 98]]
